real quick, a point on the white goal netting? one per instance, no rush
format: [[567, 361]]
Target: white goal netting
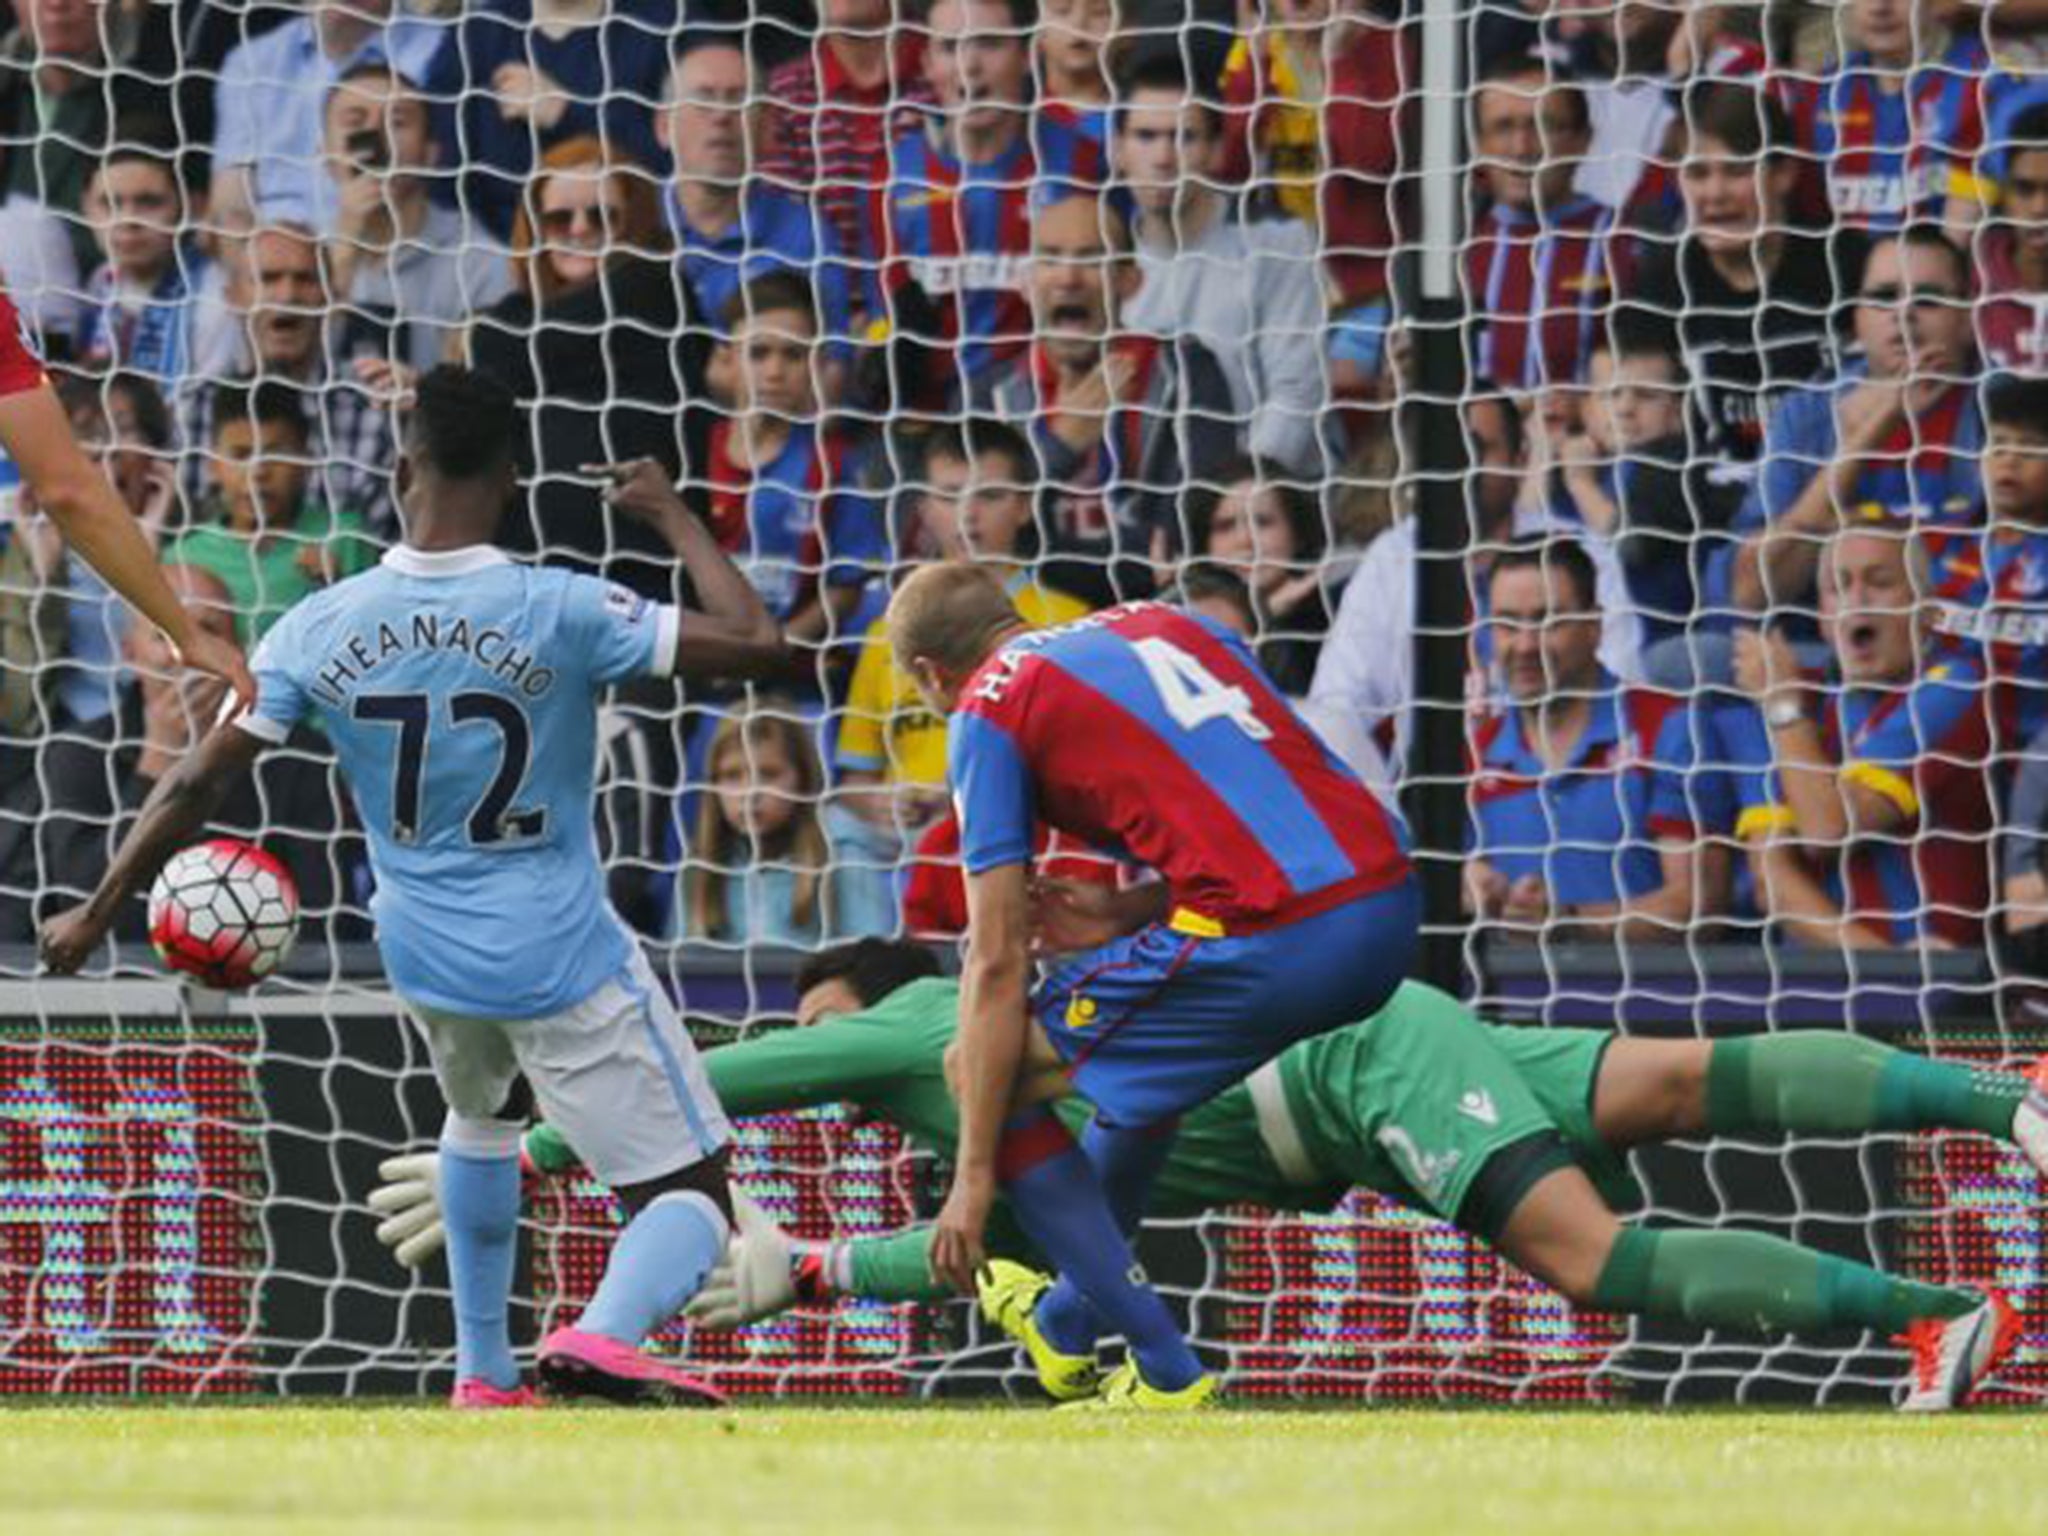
[[1688, 398]]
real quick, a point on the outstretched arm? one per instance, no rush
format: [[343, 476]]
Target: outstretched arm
[[733, 634], [988, 1052], [71, 489], [175, 812]]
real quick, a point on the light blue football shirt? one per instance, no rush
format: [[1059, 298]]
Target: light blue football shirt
[[460, 691]]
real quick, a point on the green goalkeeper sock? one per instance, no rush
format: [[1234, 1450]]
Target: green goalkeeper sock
[[1810, 1080], [895, 1268], [1754, 1283]]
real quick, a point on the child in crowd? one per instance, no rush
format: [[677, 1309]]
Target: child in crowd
[[761, 868], [142, 303], [1992, 582], [1075, 38], [1269, 532], [261, 531], [975, 501], [1627, 476], [782, 498]]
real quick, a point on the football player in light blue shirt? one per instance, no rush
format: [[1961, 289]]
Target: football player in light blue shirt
[[460, 690]]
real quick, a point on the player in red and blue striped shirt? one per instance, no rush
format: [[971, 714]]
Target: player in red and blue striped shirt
[[952, 220], [1284, 905], [1897, 126]]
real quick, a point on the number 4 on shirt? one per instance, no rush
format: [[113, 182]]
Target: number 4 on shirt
[[1193, 694]]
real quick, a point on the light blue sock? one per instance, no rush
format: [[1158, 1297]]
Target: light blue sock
[[480, 1208], [657, 1264]]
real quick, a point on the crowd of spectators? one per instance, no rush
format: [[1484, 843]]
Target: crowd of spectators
[[1109, 296]]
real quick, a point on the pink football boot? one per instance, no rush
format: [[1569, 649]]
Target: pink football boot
[[578, 1364], [472, 1392]]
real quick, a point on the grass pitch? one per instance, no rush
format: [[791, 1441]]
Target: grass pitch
[[366, 1471]]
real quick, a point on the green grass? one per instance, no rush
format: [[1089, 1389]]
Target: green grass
[[824, 1472]]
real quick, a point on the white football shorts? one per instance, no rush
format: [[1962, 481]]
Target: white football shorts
[[617, 1075]]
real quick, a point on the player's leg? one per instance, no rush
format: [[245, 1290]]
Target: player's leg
[[1605, 1095], [478, 1072], [676, 1229], [1812, 1081], [620, 1078], [1750, 1282], [1127, 1160], [1060, 1202], [1562, 1232], [1170, 1016]]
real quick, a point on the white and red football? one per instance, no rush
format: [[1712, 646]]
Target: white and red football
[[224, 913]]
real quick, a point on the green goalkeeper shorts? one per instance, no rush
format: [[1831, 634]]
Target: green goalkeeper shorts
[[1451, 1116], [1561, 1068]]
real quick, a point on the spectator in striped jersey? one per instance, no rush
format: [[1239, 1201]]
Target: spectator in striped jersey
[[1544, 261], [1893, 131], [1993, 582], [1074, 41], [949, 234], [2012, 251], [783, 483], [1864, 797], [730, 226], [1898, 437], [834, 109]]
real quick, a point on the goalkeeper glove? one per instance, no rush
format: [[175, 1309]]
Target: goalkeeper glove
[[765, 1271], [409, 1200]]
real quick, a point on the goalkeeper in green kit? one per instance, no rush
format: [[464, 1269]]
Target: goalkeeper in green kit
[[1516, 1135]]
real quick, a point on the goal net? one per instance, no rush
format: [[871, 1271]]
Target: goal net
[[1619, 427]]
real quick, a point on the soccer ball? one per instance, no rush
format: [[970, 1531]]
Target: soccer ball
[[224, 913]]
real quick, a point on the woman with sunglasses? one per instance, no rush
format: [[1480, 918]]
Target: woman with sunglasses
[[601, 346]]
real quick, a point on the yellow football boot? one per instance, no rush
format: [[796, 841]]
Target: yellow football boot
[[1125, 1391], [1009, 1295]]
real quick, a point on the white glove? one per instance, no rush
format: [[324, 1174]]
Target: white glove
[[410, 1201], [753, 1280]]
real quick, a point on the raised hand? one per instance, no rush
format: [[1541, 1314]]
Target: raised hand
[[640, 488]]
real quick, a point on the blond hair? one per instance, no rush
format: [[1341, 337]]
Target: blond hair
[[951, 613], [719, 848]]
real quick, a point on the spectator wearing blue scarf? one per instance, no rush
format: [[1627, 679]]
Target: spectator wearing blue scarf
[[142, 300]]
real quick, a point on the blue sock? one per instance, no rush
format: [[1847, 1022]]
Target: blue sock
[[1053, 1189], [1126, 1159], [480, 1209], [657, 1264]]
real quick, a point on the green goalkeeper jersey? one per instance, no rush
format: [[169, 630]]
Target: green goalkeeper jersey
[[889, 1062], [1409, 1103]]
